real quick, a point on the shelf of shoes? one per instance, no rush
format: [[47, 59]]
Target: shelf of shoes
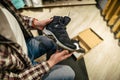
[[33, 3], [56, 3]]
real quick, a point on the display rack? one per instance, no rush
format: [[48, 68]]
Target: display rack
[[61, 3]]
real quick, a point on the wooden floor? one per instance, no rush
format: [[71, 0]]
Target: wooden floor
[[103, 61]]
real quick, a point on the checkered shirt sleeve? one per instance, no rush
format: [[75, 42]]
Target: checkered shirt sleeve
[[12, 67]]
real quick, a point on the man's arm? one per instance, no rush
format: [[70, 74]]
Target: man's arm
[[12, 64], [11, 67], [35, 23], [9, 64]]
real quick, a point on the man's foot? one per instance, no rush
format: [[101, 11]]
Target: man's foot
[[57, 29]]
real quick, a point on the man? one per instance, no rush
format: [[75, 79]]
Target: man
[[17, 43]]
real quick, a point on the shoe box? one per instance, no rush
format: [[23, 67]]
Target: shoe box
[[88, 40]]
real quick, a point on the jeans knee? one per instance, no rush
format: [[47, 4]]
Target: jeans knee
[[49, 44], [60, 72], [69, 73], [40, 45]]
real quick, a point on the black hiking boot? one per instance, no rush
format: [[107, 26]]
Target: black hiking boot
[[57, 29]]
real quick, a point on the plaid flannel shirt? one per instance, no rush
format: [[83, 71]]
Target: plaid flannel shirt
[[14, 64]]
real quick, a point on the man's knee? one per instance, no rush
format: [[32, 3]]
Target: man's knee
[[69, 74], [39, 45], [65, 71], [49, 44], [60, 72]]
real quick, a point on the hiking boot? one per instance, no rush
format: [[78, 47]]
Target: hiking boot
[[57, 29]]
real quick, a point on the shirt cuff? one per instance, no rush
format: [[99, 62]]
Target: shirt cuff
[[46, 66], [33, 25]]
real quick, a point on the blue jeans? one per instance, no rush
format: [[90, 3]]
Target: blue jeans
[[40, 45]]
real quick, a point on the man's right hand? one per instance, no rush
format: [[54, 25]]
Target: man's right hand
[[41, 24], [58, 56]]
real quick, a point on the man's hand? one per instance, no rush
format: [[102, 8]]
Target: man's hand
[[41, 24], [58, 56]]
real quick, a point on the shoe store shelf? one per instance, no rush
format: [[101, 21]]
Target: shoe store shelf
[[62, 3]]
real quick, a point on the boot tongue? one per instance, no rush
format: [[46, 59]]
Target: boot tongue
[[66, 20], [58, 19]]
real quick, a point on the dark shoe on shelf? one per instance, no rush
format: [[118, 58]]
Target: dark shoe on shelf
[[57, 29]]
